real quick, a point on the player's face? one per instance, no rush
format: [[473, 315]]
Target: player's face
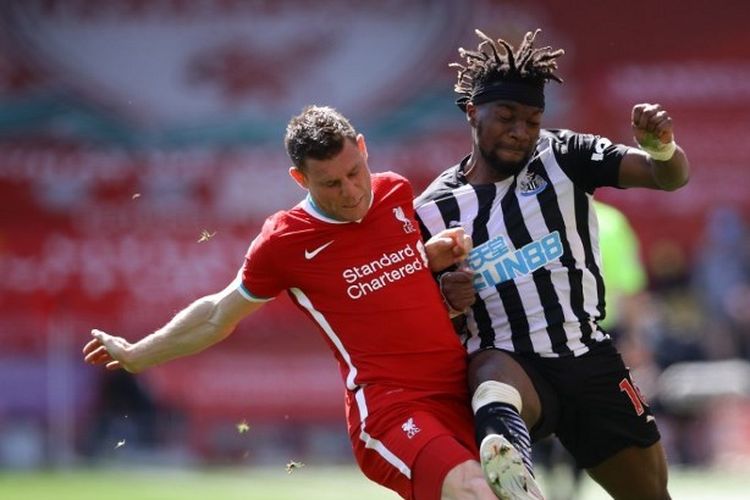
[[505, 133], [340, 186]]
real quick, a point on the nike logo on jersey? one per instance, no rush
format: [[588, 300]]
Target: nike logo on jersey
[[309, 255]]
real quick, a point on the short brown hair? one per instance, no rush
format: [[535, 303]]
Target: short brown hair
[[318, 132]]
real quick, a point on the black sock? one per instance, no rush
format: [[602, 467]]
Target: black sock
[[503, 418]]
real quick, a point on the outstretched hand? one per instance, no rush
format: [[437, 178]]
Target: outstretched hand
[[108, 350], [652, 125]]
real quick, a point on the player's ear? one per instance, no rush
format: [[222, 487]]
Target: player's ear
[[471, 114], [299, 177], [361, 145]]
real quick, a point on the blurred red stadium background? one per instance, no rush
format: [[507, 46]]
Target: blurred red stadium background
[[129, 127]]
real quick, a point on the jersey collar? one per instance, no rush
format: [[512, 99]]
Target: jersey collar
[[309, 206]]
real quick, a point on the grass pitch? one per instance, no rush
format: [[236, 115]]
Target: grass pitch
[[308, 483]]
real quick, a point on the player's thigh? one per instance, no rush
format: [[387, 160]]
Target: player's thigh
[[389, 449], [603, 413], [500, 366], [634, 473]]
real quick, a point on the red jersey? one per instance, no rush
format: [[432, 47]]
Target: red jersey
[[367, 287]]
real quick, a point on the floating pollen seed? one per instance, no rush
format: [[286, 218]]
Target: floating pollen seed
[[292, 465], [243, 427], [205, 236], [120, 444], [136, 196]]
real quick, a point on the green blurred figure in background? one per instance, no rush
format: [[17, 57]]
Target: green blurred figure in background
[[624, 274]]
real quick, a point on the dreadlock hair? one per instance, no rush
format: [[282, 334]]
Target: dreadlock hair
[[497, 70], [318, 132]]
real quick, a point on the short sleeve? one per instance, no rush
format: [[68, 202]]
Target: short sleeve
[[590, 161], [260, 280]]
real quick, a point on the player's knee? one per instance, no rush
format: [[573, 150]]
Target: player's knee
[[477, 487], [654, 488], [493, 365], [647, 493], [466, 481], [647, 490]]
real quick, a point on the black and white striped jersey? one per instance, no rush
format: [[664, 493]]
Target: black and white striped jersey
[[536, 249]]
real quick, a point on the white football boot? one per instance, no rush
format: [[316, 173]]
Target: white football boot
[[505, 472]]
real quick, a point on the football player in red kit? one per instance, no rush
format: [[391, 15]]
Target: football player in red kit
[[351, 257]]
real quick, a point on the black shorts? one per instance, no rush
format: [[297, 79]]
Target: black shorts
[[590, 403]]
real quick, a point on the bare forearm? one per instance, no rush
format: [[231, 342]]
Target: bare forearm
[[638, 169], [192, 330], [672, 174], [200, 325]]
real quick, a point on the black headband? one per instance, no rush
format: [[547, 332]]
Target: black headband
[[531, 94]]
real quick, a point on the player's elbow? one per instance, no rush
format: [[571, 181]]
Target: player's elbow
[[223, 330], [675, 184], [220, 326]]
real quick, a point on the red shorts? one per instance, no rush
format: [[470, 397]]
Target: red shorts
[[411, 444]]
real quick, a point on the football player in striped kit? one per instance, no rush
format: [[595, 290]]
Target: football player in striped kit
[[540, 364]]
